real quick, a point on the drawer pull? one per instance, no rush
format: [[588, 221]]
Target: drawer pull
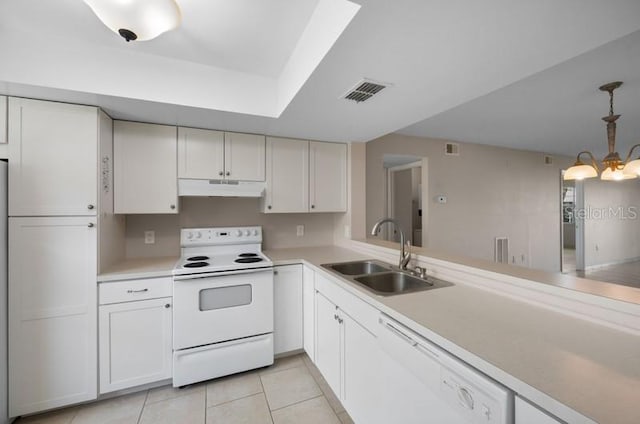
[[137, 291]]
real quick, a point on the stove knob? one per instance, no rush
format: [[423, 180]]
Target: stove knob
[[189, 236], [238, 233], [255, 233], [247, 233], [198, 235]]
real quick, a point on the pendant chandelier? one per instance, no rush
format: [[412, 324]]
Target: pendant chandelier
[[612, 168], [137, 19]]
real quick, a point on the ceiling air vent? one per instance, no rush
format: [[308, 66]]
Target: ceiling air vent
[[364, 90], [452, 149]]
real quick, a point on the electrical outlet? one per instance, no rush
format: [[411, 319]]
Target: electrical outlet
[[300, 230], [149, 237], [347, 231]]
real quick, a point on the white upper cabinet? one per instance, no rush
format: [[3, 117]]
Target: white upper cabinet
[[305, 176], [3, 119], [200, 154], [327, 177], [244, 156], [145, 168], [53, 158], [287, 176], [211, 155]]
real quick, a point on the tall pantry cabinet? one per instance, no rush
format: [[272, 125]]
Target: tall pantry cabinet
[[54, 205]]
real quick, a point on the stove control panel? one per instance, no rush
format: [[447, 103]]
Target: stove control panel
[[220, 236]]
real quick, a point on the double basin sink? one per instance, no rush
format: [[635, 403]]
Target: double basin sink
[[383, 279]]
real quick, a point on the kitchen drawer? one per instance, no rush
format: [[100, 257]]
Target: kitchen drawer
[[131, 290]]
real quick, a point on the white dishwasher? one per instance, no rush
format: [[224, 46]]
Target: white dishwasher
[[454, 392]]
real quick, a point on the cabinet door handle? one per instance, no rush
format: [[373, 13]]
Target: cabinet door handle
[[313, 206], [228, 173], [90, 207], [269, 207], [91, 225], [168, 305], [137, 291], [275, 272], [335, 316], [172, 206], [340, 320], [221, 173]]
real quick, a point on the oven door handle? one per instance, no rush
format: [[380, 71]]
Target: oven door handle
[[221, 273]]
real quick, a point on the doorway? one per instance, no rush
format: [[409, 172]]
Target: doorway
[[404, 197], [572, 226]]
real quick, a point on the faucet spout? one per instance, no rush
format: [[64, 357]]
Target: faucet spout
[[405, 245]]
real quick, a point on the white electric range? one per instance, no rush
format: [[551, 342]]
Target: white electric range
[[223, 304]]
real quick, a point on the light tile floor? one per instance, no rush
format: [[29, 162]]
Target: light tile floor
[[290, 391]]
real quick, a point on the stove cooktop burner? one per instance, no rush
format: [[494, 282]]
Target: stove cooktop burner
[[196, 264], [248, 255], [197, 258], [248, 260]]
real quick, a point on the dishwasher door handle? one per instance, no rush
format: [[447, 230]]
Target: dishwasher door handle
[[399, 333]]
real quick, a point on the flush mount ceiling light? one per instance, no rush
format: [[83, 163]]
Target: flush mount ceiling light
[[137, 19], [613, 168]]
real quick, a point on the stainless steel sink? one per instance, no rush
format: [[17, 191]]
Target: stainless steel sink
[[389, 283], [358, 267], [393, 282], [382, 279]]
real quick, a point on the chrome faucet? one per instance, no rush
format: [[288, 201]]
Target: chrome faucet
[[405, 251]]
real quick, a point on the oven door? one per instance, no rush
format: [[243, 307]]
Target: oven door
[[217, 307]]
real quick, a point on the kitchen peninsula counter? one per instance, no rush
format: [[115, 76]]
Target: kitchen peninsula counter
[[578, 370]]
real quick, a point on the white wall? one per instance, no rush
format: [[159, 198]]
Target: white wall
[[279, 230], [491, 191], [612, 221]]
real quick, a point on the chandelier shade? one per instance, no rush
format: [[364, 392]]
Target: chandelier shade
[[580, 171], [137, 19], [632, 168], [613, 168]]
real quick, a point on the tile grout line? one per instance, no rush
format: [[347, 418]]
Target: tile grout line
[[233, 400], [264, 393], [319, 383], [144, 404], [302, 401]]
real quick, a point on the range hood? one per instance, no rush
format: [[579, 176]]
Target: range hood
[[220, 188]]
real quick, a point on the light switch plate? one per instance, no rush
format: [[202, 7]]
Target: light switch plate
[[149, 237], [300, 230]]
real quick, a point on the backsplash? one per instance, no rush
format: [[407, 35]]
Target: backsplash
[[279, 230]]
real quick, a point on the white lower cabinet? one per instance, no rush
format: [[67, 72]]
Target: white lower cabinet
[[526, 413], [362, 383], [52, 313], [287, 299], [329, 342], [135, 343], [308, 310]]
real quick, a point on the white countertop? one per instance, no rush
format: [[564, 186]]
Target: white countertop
[[546, 356], [552, 359], [136, 268]]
